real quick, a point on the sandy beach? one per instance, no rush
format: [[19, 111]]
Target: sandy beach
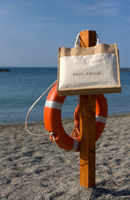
[[33, 168]]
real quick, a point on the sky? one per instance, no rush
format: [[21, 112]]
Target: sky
[[32, 30]]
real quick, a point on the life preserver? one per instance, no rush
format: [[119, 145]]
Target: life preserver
[[52, 119]]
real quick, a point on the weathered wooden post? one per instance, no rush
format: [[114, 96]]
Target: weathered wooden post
[[87, 125]]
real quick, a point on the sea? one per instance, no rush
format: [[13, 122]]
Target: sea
[[20, 87]]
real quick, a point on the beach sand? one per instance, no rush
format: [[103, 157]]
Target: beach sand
[[33, 168]]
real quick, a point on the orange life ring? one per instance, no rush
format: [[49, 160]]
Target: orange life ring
[[52, 119]]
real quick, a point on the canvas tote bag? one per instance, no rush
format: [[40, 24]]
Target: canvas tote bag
[[91, 70]]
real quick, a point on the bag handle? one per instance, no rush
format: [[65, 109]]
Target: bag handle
[[78, 37], [77, 41]]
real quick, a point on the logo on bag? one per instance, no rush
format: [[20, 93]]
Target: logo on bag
[[87, 73]]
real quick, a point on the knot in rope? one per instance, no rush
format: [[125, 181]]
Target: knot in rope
[[75, 132]]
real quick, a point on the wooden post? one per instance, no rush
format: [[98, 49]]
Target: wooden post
[[87, 125]]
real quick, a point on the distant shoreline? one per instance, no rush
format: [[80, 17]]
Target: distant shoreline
[[4, 70], [125, 69], [10, 68]]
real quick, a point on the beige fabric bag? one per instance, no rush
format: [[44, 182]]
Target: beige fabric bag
[[92, 70]]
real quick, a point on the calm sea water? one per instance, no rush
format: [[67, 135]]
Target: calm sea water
[[22, 86]]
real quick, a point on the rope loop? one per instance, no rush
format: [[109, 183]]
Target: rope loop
[[52, 135], [26, 121]]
